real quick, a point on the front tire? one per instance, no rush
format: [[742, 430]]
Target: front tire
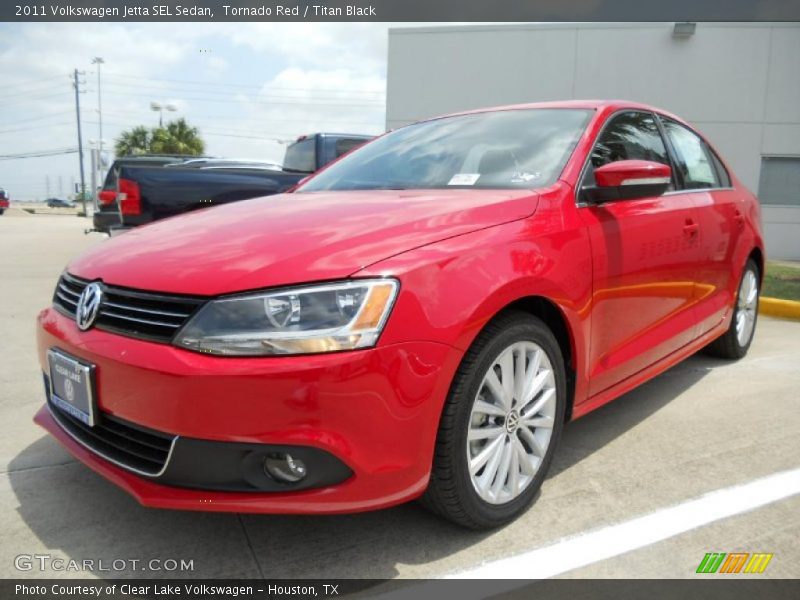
[[735, 342], [501, 423]]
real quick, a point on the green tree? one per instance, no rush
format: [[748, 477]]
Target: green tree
[[177, 137], [136, 141]]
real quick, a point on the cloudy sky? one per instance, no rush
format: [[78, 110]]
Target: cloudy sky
[[245, 86]]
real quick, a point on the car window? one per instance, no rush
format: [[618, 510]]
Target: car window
[[301, 156], [344, 145], [722, 172], [504, 149], [628, 136], [693, 158]]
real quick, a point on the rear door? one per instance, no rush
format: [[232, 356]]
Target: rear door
[[720, 218], [644, 255]]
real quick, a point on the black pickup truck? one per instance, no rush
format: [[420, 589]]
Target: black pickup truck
[[138, 190]]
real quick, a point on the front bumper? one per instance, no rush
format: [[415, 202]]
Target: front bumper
[[376, 411]]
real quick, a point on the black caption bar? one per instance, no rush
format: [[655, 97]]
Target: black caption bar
[[400, 10], [732, 588]]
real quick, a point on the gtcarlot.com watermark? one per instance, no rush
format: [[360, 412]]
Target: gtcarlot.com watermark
[[51, 563]]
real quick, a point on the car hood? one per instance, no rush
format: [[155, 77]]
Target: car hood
[[292, 238]]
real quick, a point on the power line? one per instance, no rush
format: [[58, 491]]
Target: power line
[[36, 127], [264, 94], [39, 118], [242, 85], [293, 102], [204, 116], [30, 81], [38, 154], [31, 98], [50, 88]]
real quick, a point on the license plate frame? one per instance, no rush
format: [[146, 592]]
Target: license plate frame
[[72, 386]]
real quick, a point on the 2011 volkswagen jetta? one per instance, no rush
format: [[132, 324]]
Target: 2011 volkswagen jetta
[[417, 320]]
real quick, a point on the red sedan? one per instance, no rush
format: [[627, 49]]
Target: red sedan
[[419, 319]]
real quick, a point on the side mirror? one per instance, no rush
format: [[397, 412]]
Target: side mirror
[[628, 180]]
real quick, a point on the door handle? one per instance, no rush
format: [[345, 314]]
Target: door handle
[[691, 228]]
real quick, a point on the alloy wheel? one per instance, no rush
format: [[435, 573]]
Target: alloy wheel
[[746, 307], [511, 422]]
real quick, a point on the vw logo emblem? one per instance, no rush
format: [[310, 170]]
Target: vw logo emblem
[[512, 421], [69, 390], [88, 306]]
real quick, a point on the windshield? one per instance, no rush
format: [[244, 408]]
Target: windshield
[[520, 148]]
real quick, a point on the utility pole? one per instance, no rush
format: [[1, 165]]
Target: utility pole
[[76, 84]]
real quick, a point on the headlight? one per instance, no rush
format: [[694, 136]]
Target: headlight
[[301, 320]]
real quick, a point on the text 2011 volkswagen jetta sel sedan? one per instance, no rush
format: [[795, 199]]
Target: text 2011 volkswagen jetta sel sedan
[[417, 320]]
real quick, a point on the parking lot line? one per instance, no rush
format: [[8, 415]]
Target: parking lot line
[[594, 546]]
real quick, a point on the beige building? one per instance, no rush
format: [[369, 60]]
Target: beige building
[[739, 83]]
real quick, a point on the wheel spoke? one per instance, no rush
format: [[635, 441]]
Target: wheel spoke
[[507, 373], [526, 433], [545, 399], [524, 460], [502, 471], [519, 374], [488, 475], [482, 433], [535, 387], [752, 293], [534, 422], [486, 408], [495, 387], [513, 475], [480, 459]]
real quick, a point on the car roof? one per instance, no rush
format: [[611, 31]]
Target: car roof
[[597, 105]]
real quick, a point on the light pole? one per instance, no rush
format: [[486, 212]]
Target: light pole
[[160, 108], [98, 60]]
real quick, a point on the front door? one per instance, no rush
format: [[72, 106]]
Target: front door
[[644, 253]]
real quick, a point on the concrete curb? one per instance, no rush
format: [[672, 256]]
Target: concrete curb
[[774, 307]]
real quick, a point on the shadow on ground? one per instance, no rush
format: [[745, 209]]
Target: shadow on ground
[[79, 515]]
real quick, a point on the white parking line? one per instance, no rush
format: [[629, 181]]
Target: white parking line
[[613, 540]]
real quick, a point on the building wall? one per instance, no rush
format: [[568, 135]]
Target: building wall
[[737, 83]]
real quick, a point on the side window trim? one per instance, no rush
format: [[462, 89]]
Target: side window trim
[[678, 184], [609, 121]]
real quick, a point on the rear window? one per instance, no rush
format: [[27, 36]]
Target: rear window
[[300, 156], [344, 145]]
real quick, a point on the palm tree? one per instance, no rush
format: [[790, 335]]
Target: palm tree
[[177, 137], [136, 141]]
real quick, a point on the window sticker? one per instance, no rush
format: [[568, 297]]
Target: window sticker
[[525, 177], [464, 179]]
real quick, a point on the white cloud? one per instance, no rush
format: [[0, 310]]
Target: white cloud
[[285, 80]]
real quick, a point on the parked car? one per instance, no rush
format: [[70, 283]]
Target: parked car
[[59, 203], [148, 192], [4, 201], [418, 320]]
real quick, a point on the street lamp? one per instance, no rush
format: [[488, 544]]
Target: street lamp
[[160, 108]]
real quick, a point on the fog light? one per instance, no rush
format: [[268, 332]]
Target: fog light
[[284, 467]]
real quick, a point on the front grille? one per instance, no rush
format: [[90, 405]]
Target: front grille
[[140, 450], [155, 317]]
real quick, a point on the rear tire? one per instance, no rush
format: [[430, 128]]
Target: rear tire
[[735, 342], [501, 424]]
